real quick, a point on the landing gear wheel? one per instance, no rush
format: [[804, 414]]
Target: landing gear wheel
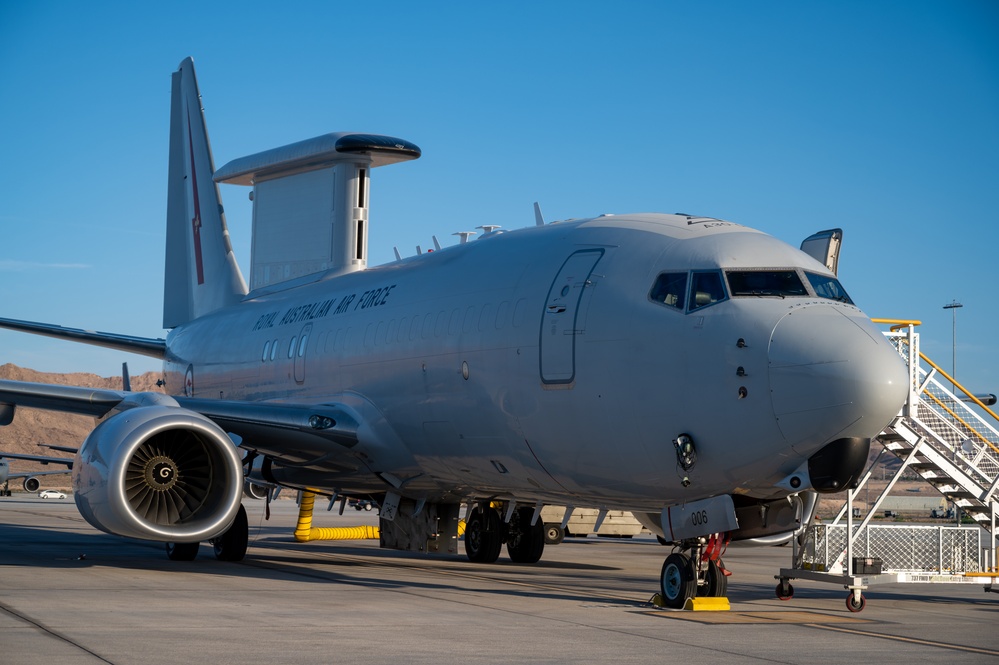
[[182, 551], [554, 534], [526, 542], [784, 591], [717, 583], [855, 605], [483, 538], [678, 580], [231, 545]]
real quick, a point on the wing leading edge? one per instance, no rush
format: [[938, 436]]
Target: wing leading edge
[[296, 433], [145, 346]]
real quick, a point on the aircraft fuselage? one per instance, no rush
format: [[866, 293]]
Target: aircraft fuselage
[[536, 364]]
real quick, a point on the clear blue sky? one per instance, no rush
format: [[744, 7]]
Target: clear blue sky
[[881, 118]]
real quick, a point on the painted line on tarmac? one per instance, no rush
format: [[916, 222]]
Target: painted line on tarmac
[[910, 640], [50, 632]]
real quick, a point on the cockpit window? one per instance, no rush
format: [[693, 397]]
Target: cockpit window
[[828, 287], [705, 289], [780, 283], [670, 289]]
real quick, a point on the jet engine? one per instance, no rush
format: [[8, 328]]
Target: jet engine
[[31, 484], [155, 471]]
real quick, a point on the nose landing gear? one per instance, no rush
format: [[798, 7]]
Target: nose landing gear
[[694, 569]]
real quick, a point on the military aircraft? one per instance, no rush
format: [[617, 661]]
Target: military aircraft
[[699, 373], [29, 481]]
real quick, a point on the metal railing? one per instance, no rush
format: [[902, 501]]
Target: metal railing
[[968, 439], [965, 444], [901, 548]]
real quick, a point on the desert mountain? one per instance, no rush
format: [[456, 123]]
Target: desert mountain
[[32, 426]]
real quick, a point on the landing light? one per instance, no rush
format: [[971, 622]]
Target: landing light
[[321, 422], [686, 455]]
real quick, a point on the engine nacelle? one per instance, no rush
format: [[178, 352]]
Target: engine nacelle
[[31, 484], [158, 472]]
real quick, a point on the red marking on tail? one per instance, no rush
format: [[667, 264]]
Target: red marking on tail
[[196, 220]]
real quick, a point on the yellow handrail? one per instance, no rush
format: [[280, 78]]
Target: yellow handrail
[[961, 420], [963, 389], [898, 324]]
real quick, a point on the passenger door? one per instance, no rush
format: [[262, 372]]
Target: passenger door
[[559, 327]]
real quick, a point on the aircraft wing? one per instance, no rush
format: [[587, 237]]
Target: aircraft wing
[[287, 431], [145, 346], [293, 432], [18, 475], [68, 461], [67, 399]]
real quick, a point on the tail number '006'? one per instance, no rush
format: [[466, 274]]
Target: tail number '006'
[[699, 517]]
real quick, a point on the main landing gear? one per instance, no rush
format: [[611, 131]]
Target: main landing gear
[[230, 546], [485, 534], [694, 569]]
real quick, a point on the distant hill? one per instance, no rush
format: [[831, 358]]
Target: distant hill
[[33, 426]]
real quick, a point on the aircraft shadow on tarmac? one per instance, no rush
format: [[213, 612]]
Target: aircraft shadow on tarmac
[[272, 560], [275, 555]]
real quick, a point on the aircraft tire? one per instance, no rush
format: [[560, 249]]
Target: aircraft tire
[[527, 542], [717, 583], [182, 551], [231, 545], [677, 581], [483, 537]]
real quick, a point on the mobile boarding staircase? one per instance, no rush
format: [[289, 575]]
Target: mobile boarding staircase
[[941, 438]]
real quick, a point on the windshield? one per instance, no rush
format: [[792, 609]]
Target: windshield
[[828, 287], [765, 283]]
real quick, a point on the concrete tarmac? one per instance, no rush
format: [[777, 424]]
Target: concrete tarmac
[[70, 594]]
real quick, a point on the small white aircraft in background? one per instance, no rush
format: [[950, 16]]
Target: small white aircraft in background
[[698, 373]]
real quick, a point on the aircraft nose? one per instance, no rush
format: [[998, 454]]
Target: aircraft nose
[[832, 376]]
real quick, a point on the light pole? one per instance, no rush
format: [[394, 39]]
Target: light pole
[[953, 307]]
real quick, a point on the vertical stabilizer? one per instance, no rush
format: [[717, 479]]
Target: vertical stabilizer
[[201, 270]]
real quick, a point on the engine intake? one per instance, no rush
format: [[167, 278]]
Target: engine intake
[[158, 472]]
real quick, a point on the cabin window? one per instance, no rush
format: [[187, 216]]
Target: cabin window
[[670, 289], [301, 345], [291, 347], [274, 347], [267, 351], [828, 287], [780, 283], [705, 289]]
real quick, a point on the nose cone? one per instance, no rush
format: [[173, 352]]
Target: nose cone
[[832, 376]]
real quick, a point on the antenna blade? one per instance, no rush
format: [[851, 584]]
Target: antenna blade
[[539, 219]]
